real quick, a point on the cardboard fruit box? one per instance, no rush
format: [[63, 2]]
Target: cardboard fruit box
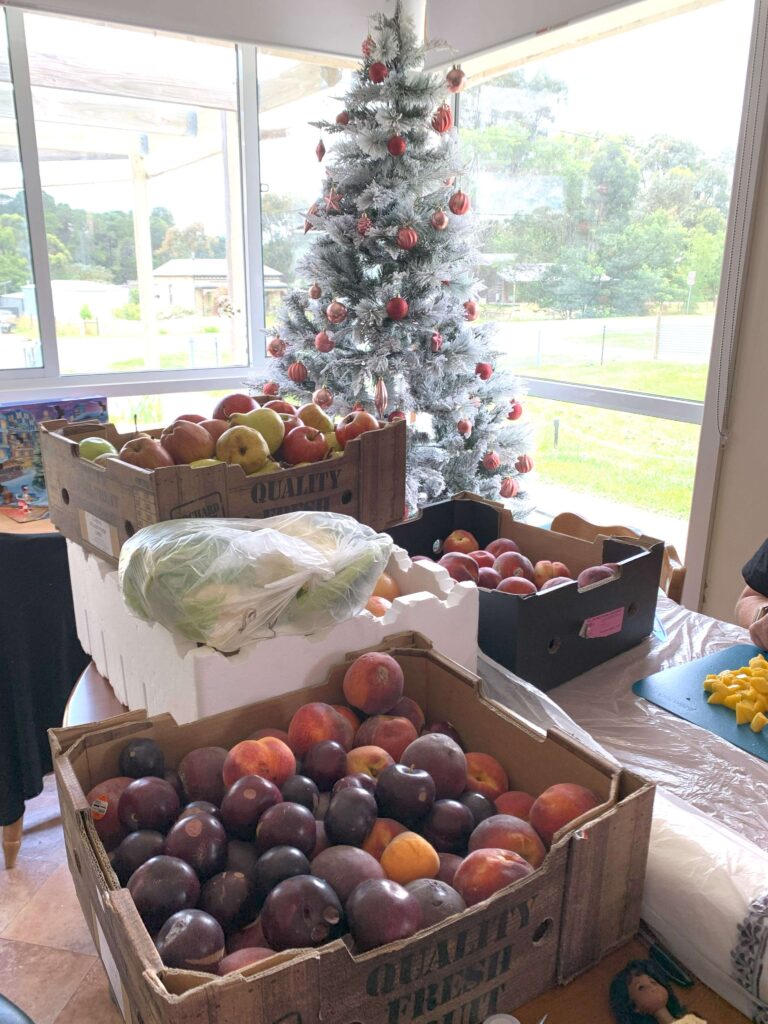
[[549, 637], [100, 506], [583, 900]]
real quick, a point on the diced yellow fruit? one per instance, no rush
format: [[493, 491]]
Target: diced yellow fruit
[[760, 704], [721, 687], [716, 698], [709, 686], [760, 683], [744, 713], [758, 662], [727, 676], [732, 700], [759, 722]]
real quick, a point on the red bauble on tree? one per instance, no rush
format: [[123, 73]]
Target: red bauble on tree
[[436, 341], [442, 120], [271, 388], [470, 310], [484, 371], [342, 117], [491, 461], [464, 427], [509, 487], [456, 80], [320, 150], [397, 308], [398, 414], [336, 312], [515, 411], [380, 396], [524, 464], [276, 347], [324, 342], [364, 224], [378, 72], [367, 47], [322, 397], [298, 373], [406, 237], [397, 145], [459, 203], [439, 220], [315, 291]]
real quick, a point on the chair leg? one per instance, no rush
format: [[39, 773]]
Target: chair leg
[[12, 841]]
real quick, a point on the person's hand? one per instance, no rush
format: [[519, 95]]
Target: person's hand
[[758, 632]]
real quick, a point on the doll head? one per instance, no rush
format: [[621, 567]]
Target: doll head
[[639, 991]]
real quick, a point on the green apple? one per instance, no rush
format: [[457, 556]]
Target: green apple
[[90, 447], [266, 421], [333, 441], [313, 416], [202, 463], [269, 467]]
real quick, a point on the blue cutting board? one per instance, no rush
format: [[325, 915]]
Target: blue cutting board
[[681, 691]]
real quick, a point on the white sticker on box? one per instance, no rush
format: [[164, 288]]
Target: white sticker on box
[[98, 533], [111, 968]]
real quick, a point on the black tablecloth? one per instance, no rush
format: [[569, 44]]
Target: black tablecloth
[[40, 660]]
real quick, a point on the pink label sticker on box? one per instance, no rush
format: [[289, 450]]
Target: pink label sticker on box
[[603, 625]]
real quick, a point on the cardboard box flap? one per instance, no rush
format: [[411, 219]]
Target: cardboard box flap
[[62, 737]]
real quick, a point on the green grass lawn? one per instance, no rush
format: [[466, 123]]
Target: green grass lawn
[[674, 380]]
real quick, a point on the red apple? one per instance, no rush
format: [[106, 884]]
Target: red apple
[[233, 403], [145, 452], [304, 444], [354, 424], [483, 558], [289, 422], [191, 417], [187, 442], [460, 540], [512, 563], [215, 427], [498, 547], [516, 585], [280, 406]]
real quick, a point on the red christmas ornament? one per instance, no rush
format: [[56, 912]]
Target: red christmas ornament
[[439, 220], [524, 464], [322, 397], [324, 342], [358, 407], [311, 212], [378, 72], [484, 371], [336, 312], [516, 410], [464, 427], [343, 117], [380, 396], [459, 203], [443, 119], [320, 150], [436, 341], [491, 461], [406, 238], [271, 388], [315, 291], [397, 145], [456, 80], [509, 487], [276, 347], [398, 414], [470, 310], [397, 308], [333, 201], [298, 373], [367, 46], [364, 224], [450, 181]]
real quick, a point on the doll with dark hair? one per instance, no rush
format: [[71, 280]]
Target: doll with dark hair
[[641, 994]]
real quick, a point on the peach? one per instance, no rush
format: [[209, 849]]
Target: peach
[[409, 856], [512, 563], [561, 569], [460, 540], [515, 802], [386, 587], [268, 757], [391, 733], [556, 581], [557, 806], [485, 775], [314, 722], [369, 759], [373, 683], [243, 958], [483, 558], [378, 606], [449, 865], [542, 571], [595, 574], [488, 578], [349, 714], [505, 832], [516, 585], [381, 835], [484, 872], [408, 708], [498, 547], [279, 734], [460, 567]]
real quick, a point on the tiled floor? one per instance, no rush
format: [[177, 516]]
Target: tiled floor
[[48, 963]]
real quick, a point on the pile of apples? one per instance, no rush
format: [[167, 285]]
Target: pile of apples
[[357, 819], [502, 566], [260, 438]]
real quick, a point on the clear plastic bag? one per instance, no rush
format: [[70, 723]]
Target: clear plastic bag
[[229, 582]]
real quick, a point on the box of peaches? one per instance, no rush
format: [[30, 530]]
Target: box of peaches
[[551, 606], [251, 457], [345, 853]]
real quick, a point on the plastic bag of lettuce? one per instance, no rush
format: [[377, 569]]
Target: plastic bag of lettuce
[[229, 582]]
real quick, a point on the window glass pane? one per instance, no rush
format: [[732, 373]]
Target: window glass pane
[[292, 93], [615, 468], [603, 174], [19, 333], [144, 412], [139, 159]]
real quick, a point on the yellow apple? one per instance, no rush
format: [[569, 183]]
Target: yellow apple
[[266, 421], [313, 416], [243, 446], [270, 466], [202, 463], [333, 441]]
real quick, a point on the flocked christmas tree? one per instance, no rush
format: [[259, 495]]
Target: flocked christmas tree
[[387, 320]]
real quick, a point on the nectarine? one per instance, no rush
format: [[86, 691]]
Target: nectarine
[[373, 683], [505, 832], [557, 806], [485, 775], [484, 872], [460, 540]]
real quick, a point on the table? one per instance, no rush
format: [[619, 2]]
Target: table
[[40, 662]]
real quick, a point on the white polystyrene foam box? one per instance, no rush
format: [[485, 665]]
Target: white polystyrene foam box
[[149, 667]]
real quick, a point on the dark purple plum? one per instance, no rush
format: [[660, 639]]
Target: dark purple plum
[[437, 900], [301, 911], [200, 773], [192, 941], [229, 897], [298, 789], [344, 868], [201, 841], [325, 763], [199, 807], [403, 793], [244, 803], [357, 780], [443, 758], [350, 817], [276, 865], [142, 757], [286, 824], [480, 806], [444, 729], [381, 911], [448, 826], [135, 850], [173, 777], [242, 856], [148, 803], [160, 887]]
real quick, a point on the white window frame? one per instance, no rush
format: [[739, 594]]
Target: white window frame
[[38, 383]]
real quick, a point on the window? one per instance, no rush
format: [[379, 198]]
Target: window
[[603, 174]]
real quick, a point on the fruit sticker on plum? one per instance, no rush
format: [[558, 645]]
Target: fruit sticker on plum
[[99, 807]]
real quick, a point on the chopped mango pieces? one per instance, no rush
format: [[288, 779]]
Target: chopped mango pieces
[[743, 690]]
